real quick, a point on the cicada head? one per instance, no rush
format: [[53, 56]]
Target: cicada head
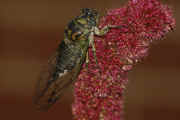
[[91, 14]]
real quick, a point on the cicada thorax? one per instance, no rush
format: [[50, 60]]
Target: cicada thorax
[[77, 30]]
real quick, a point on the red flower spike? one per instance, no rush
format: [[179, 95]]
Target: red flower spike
[[99, 89]]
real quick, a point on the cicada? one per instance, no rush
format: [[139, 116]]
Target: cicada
[[64, 66]]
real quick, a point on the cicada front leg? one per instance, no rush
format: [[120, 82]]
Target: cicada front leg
[[105, 29], [98, 32], [87, 59], [91, 43]]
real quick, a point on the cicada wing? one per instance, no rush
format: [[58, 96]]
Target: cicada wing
[[44, 77], [48, 90]]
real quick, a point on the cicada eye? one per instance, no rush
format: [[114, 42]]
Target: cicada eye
[[89, 11], [85, 10], [95, 12]]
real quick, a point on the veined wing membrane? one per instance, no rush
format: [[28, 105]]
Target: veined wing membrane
[[52, 83]]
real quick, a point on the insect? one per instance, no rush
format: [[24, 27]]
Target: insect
[[64, 66]]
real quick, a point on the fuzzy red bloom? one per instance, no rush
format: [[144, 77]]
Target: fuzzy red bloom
[[99, 89]]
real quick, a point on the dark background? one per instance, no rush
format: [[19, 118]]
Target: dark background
[[30, 31]]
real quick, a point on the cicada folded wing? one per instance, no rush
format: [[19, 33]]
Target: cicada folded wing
[[61, 70], [50, 86], [42, 91]]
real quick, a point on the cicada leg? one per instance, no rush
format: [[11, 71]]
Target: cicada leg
[[87, 59], [91, 43], [105, 29]]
